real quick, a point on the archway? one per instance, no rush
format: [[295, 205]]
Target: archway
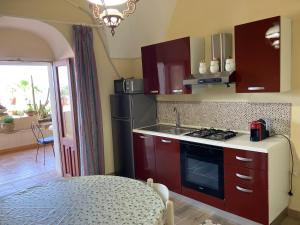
[[60, 48]]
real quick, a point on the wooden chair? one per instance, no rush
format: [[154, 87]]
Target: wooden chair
[[41, 140], [163, 192]]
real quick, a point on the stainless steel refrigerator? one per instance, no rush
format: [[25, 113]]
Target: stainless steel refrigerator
[[129, 111]]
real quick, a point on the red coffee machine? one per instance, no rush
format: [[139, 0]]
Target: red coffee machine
[[258, 130]]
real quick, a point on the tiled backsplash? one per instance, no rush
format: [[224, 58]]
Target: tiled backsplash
[[227, 115]]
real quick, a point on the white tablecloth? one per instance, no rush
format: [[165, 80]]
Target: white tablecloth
[[84, 200]]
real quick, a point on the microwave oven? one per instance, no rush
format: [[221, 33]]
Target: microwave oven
[[129, 86]]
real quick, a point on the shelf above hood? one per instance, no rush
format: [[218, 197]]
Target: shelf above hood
[[204, 79]]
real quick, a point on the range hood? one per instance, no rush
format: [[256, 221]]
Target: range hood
[[217, 78], [221, 49]]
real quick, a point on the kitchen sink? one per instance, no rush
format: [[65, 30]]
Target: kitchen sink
[[177, 131], [168, 129]]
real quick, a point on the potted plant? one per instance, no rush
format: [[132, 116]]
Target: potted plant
[[30, 111], [7, 124], [44, 113]]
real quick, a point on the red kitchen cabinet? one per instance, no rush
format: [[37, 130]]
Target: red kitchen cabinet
[[246, 184], [167, 64], [150, 73], [167, 155], [263, 56], [144, 156]]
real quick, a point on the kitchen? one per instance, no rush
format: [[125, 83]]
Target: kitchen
[[225, 101], [222, 153]]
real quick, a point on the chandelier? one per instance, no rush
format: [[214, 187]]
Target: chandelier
[[105, 13]]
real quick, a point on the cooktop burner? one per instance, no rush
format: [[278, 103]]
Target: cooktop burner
[[213, 134]]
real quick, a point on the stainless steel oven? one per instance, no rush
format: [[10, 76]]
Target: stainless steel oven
[[202, 168]]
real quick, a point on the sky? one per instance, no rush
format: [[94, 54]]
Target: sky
[[10, 77]]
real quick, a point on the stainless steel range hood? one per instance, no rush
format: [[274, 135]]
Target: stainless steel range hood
[[217, 78], [221, 49]]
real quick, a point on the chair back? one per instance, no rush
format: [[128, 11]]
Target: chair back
[[164, 194], [37, 132], [162, 190]]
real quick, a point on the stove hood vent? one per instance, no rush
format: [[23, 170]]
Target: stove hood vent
[[216, 78]]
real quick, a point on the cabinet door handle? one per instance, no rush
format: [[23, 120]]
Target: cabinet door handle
[[166, 141], [243, 159], [177, 91], [154, 92], [256, 88], [143, 137], [243, 189], [243, 176]]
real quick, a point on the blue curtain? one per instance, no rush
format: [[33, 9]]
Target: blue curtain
[[90, 130]]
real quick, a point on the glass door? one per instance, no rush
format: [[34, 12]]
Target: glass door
[[64, 92], [202, 168]]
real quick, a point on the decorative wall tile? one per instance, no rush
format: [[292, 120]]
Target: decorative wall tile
[[227, 115]]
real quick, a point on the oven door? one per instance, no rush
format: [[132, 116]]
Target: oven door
[[202, 168]]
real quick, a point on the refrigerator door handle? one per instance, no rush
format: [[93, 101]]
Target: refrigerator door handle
[[124, 88], [121, 119]]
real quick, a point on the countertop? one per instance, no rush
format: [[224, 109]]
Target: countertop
[[241, 141]]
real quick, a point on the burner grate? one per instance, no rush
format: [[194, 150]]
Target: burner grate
[[213, 134]]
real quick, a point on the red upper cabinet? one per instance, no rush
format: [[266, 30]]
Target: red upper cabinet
[[167, 64], [263, 55], [150, 73]]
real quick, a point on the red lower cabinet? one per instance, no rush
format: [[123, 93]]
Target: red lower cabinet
[[157, 158], [167, 155], [207, 199], [245, 176], [246, 191], [144, 156]]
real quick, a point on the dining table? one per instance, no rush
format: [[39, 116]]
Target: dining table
[[100, 199]]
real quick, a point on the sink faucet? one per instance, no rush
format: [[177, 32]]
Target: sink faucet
[[177, 118]]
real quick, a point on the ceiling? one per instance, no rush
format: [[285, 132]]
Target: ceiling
[[148, 25]]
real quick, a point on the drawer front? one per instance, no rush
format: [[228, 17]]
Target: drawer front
[[248, 159], [254, 180], [246, 193]]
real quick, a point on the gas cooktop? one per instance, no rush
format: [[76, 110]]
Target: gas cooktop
[[213, 134]]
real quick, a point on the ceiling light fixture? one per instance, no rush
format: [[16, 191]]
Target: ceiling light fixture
[[111, 17]]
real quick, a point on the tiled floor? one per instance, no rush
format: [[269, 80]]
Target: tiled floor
[[19, 170], [190, 212]]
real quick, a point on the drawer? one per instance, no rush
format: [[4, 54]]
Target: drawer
[[246, 193], [247, 178], [248, 159]]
